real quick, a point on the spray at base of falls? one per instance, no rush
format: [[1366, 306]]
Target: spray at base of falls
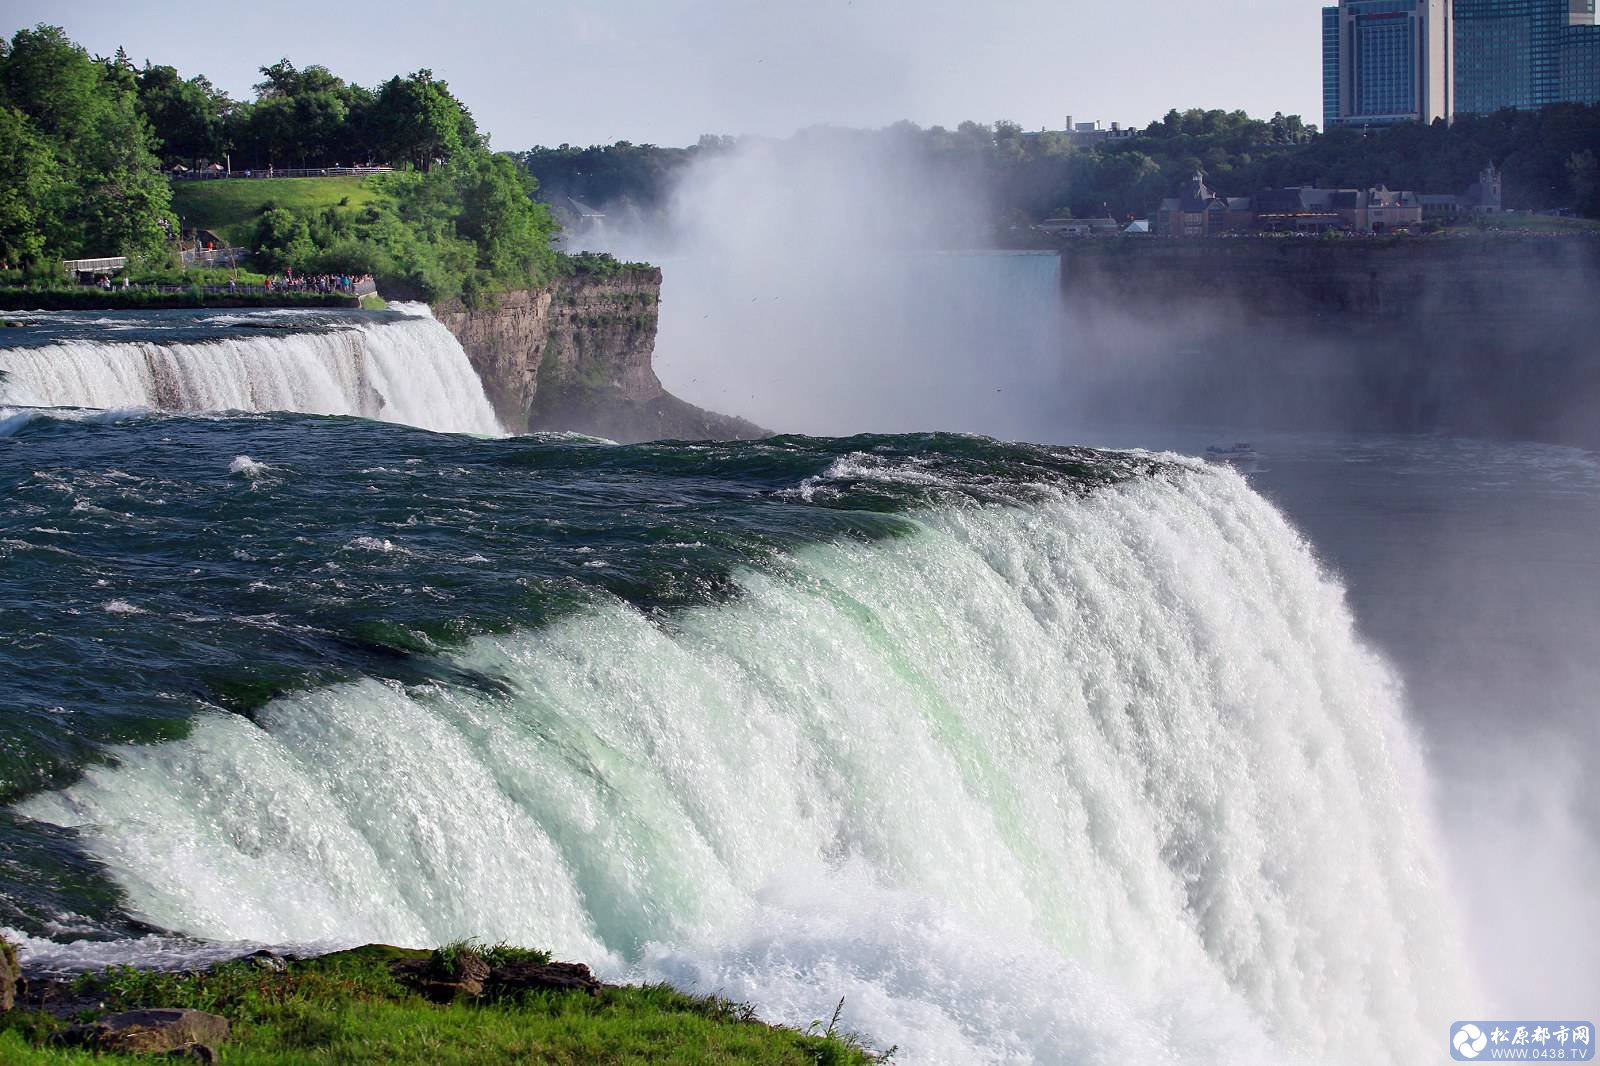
[[406, 369], [1096, 774]]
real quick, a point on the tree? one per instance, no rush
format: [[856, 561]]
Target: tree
[[30, 189], [186, 116], [113, 199], [416, 120], [1583, 173]]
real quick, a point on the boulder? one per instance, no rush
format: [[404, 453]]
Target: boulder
[[190, 1032], [464, 976], [518, 977]]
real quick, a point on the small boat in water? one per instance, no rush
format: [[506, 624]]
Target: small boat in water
[[1240, 453]]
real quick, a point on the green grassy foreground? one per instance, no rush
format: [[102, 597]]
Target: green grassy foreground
[[231, 206], [354, 1007]]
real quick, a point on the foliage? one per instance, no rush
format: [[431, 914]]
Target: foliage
[[602, 265], [417, 120], [80, 177], [1031, 176], [622, 173], [465, 229], [349, 1008]]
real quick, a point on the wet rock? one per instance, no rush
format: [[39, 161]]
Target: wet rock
[[464, 976], [268, 961], [11, 982], [153, 1032], [516, 978]]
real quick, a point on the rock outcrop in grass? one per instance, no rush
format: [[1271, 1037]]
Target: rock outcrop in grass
[[463, 1003]]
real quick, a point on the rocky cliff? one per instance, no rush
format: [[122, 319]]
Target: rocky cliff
[[1478, 335], [575, 356]]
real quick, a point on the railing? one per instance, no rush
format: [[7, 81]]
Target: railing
[[275, 172], [213, 256], [108, 265]]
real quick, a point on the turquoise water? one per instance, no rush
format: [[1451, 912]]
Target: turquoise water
[[1029, 752]]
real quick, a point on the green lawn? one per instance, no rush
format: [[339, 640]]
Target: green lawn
[[230, 206], [1531, 223], [351, 1008]]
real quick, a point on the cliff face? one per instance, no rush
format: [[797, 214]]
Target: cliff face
[[1465, 335], [575, 356], [1399, 281]]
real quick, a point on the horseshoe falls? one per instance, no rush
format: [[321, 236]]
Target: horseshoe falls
[[398, 367], [1028, 754]]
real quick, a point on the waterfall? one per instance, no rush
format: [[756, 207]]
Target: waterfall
[[409, 370], [1103, 777]]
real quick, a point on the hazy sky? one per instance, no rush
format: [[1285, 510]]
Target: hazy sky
[[544, 72]]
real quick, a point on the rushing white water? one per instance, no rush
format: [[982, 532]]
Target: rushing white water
[[410, 371], [1107, 775]]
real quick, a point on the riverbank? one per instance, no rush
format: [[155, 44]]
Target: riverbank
[[462, 1003], [146, 299]]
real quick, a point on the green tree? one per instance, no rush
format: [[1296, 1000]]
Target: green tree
[[115, 200], [30, 190], [417, 121], [186, 116]]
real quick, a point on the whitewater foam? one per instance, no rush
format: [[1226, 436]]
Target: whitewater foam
[[1105, 775], [247, 467], [411, 371]]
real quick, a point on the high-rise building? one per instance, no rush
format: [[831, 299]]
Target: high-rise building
[[1580, 12], [1508, 53], [1387, 62], [1330, 67], [1580, 64]]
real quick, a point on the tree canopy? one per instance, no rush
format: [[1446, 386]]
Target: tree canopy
[[83, 142], [1030, 176], [81, 175]]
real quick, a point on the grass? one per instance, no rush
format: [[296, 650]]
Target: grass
[[196, 275], [373, 302], [230, 206], [350, 1008], [1520, 221]]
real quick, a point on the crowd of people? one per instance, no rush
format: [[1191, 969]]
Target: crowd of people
[[345, 283]]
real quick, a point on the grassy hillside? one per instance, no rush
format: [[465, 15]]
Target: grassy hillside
[[368, 1006], [230, 206]]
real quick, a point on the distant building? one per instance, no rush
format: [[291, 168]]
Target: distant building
[[1082, 134], [1508, 53], [1310, 210], [1198, 211], [1483, 197], [1080, 227], [1330, 68], [1387, 62], [1580, 61]]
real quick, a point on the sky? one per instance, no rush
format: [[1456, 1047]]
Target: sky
[[666, 71]]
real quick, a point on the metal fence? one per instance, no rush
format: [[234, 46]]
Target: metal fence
[[274, 172], [215, 256], [109, 265]]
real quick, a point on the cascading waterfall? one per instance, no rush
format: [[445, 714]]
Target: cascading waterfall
[[1104, 773], [407, 369]]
